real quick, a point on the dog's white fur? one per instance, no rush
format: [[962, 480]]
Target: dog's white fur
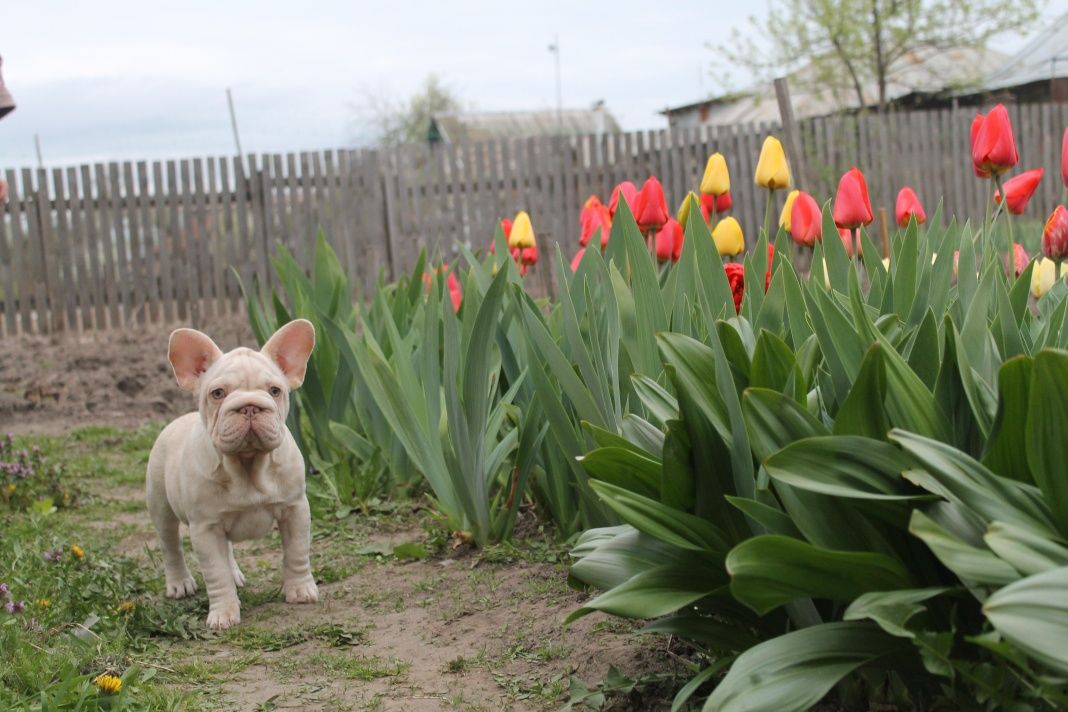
[[232, 470]]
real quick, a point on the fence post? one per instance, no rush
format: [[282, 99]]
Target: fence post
[[49, 259], [387, 217], [791, 132]]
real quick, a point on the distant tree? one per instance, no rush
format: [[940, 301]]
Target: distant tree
[[848, 44], [390, 123]]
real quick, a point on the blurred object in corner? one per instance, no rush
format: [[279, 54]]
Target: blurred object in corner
[[7, 102]]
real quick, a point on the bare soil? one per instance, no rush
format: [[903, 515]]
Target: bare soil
[[52, 384]]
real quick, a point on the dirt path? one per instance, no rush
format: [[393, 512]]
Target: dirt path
[[452, 631]]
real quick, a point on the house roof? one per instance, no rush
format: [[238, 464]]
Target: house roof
[[923, 71], [483, 125], [1045, 56]]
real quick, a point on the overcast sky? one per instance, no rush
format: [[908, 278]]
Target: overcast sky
[[118, 79]]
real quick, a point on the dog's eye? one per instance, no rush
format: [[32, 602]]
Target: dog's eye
[[275, 391], [217, 393]]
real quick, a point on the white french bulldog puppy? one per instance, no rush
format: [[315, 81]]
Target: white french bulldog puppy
[[232, 470]]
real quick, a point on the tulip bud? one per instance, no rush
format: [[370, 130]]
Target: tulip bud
[[1064, 160], [722, 204], [683, 213], [596, 218], [1055, 235], [909, 206], [1044, 276], [628, 190], [577, 259], [651, 210], [772, 171], [784, 216], [1020, 258], [529, 255], [728, 237], [993, 146], [1019, 189], [506, 227], [851, 206], [522, 233], [669, 241], [736, 279], [806, 220], [716, 180], [847, 241]]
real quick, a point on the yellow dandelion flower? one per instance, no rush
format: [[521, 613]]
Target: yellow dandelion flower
[[124, 607], [44, 603], [108, 683], [11, 488], [77, 551]]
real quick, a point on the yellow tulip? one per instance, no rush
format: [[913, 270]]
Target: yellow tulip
[[717, 179], [784, 216], [772, 171], [886, 263], [683, 213], [1044, 275], [728, 237], [522, 234]]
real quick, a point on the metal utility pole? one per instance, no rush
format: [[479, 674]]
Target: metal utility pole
[[233, 123], [555, 49]]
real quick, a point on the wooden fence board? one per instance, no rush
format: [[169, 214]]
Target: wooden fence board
[[105, 245]]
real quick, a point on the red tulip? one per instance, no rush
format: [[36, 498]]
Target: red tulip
[[1055, 235], [455, 292], [851, 206], [723, 203], [806, 220], [529, 255], [993, 147], [630, 194], [736, 279], [651, 210], [517, 254], [597, 217], [577, 259], [909, 206], [1019, 189], [506, 227], [1019, 255], [977, 123], [847, 241], [767, 274], [669, 241], [1064, 159]]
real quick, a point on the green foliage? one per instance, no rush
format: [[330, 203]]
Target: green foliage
[[30, 482], [876, 473], [829, 488]]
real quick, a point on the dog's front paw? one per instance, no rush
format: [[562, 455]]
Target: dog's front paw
[[304, 591], [239, 578], [224, 615], [180, 587]]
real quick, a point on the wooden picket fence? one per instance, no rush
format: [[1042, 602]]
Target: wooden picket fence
[[124, 244]]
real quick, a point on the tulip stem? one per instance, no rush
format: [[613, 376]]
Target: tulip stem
[[854, 233], [1010, 263], [767, 215]]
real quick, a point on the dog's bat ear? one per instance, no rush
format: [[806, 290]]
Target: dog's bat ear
[[290, 348], [191, 353]]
